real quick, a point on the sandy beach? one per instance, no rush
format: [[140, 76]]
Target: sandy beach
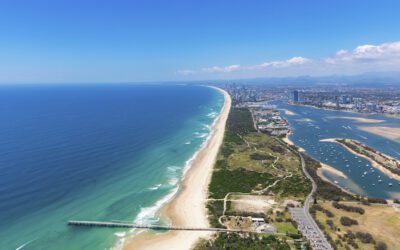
[[288, 112], [391, 133], [289, 142], [327, 168], [187, 208]]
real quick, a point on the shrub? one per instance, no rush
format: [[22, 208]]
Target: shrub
[[348, 208], [381, 246], [346, 221], [377, 200], [365, 237]]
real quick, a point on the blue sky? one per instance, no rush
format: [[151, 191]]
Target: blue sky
[[120, 41]]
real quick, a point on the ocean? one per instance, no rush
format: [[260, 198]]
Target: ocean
[[106, 152], [310, 125]]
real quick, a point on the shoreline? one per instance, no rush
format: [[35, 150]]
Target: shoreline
[[320, 175], [346, 110], [327, 168], [188, 206], [373, 163], [324, 167], [287, 140]]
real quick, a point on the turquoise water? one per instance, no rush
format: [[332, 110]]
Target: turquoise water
[[93, 152], [310, 125]]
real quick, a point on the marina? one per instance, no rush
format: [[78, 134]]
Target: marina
[[362, 177]]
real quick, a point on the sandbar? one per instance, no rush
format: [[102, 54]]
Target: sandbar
[[357, 119], [391, 133]]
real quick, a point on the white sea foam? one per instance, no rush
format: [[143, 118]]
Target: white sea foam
[[188, 142], [212, 114], [202, 135], [155, 187], [147, 214], [206, 127], [173, 181], [24, 245], [120, 234]]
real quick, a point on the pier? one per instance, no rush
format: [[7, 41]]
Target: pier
[[153, 227]]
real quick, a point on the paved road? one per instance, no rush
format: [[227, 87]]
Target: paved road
[[306, 223]]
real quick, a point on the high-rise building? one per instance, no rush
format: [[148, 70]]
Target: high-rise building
[[295, 96]]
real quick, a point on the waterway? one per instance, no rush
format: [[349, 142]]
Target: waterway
[[310, 125]]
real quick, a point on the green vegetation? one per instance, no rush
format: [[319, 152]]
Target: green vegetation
[[239, 180], [389, 163], [250, 162], [215, 209], [234, 241], [348, 208], [286, 228], [347, 221], [296, 186], [240, 121]]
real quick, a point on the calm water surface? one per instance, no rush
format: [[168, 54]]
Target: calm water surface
[[310, 125]]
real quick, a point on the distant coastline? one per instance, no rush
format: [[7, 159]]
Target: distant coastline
[[187, 207]]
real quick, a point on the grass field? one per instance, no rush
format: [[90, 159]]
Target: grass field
[[381, 221], [286, 227]]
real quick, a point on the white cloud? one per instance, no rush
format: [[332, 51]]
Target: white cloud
[[217, 69], [386, 52], [363, 58], [298, 60], [236, 67]]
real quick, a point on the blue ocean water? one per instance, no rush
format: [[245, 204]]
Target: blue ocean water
[[93, 152], [311, 125]]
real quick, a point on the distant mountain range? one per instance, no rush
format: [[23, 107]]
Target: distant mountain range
[[370, 79]]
